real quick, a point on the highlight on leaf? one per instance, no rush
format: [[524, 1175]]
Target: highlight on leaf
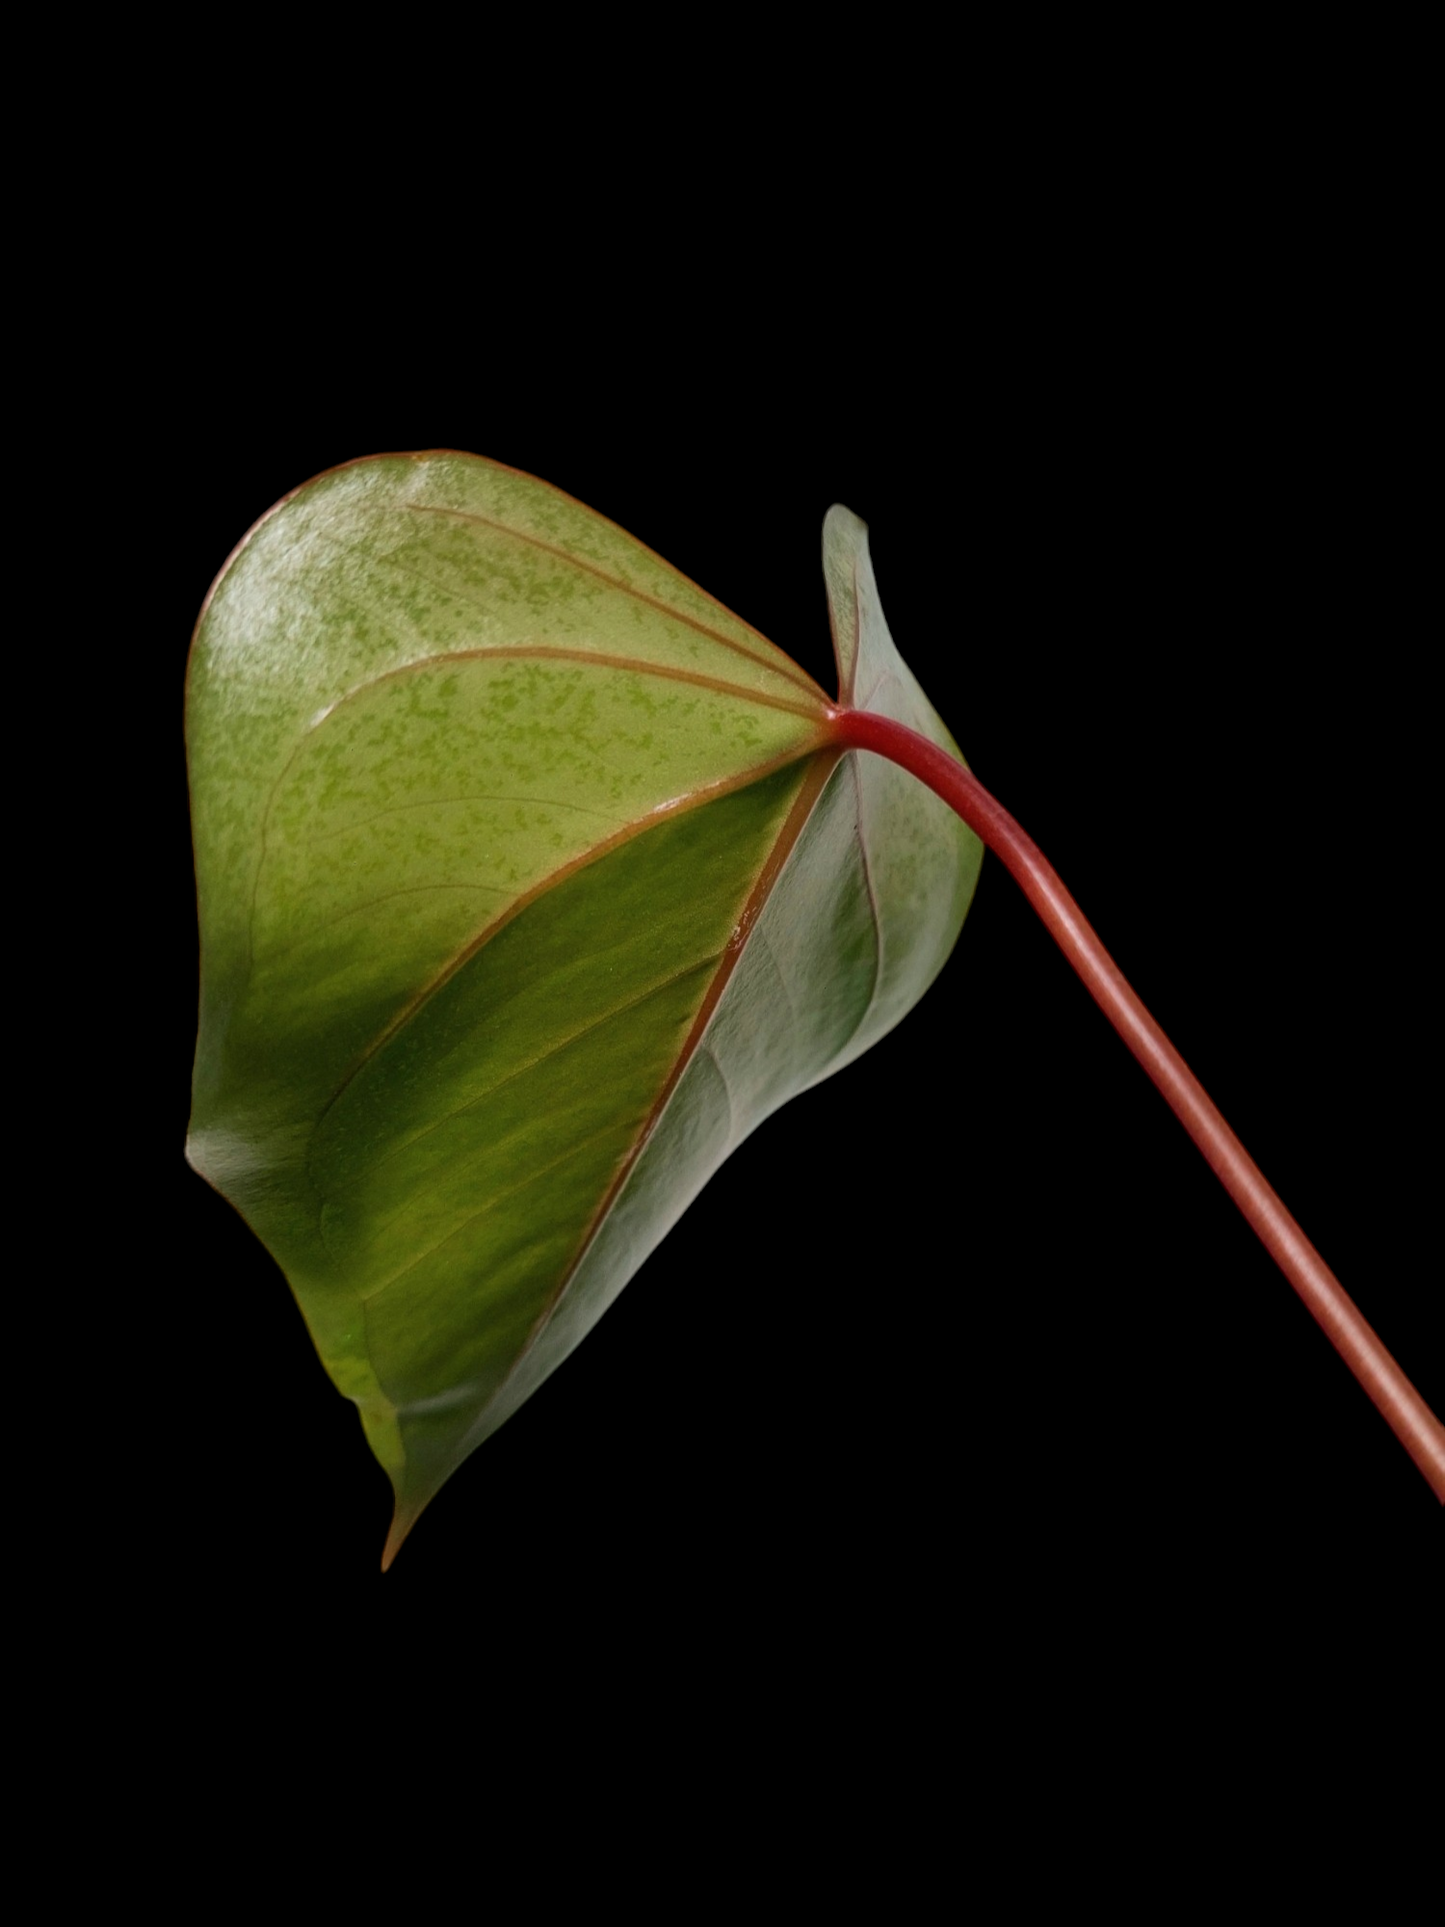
[[531, 880]]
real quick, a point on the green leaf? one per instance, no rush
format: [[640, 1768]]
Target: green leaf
[[530, 883]]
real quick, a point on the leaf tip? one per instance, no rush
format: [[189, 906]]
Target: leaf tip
[[402, 1521]]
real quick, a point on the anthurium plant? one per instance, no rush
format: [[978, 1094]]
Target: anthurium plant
[[531, 881]]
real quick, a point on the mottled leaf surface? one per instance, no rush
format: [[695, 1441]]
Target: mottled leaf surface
[[530, 883]]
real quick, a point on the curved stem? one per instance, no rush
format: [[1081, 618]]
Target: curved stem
[[1410, 1418]]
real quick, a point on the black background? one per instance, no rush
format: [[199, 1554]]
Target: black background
[[969, 1335]]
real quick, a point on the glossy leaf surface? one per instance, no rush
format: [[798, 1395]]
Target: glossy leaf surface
[[530, 883]]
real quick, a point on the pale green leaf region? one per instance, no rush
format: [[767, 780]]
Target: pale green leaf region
[[530, 883]]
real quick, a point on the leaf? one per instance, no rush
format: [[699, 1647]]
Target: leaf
[[530, 883]]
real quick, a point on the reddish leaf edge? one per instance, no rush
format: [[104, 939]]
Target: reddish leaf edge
[[1400, 1404]]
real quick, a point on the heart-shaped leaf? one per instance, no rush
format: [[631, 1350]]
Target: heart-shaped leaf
[[531, 880]]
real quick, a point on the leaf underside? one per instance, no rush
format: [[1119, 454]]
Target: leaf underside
[[529, 885]]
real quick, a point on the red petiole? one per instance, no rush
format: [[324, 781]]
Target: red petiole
[[1407, 1414]]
